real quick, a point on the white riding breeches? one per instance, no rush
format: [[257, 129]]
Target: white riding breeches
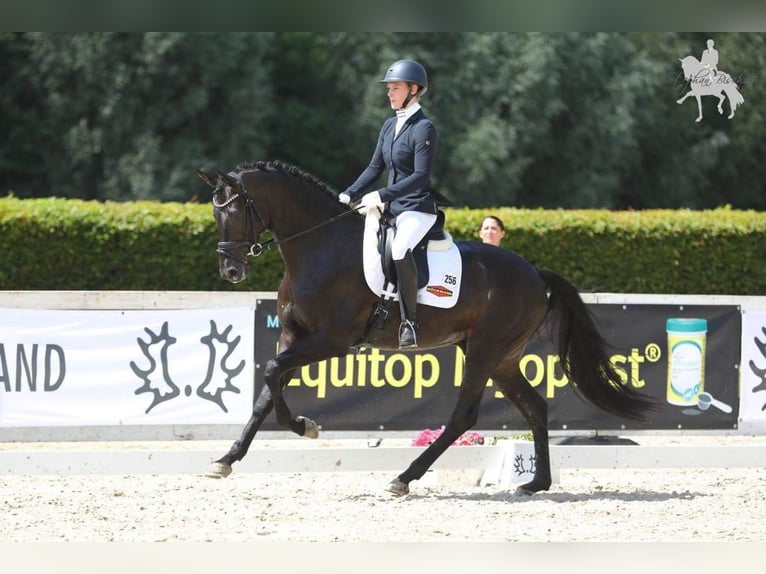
[[411, 227]]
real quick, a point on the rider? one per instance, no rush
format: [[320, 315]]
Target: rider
[[406, 148], [709, 58]]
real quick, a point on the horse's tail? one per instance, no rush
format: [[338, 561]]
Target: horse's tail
[[583, 353], [735, 98]]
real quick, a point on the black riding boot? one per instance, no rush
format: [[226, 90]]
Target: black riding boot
[[407, 280]]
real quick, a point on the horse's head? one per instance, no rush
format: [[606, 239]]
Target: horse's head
[[292, 204], [239, 224]]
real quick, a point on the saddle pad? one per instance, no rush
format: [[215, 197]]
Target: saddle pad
[[444, 263]]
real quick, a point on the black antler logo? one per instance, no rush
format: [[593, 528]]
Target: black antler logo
[[218, 378], [520, 466], [760, 373], [204, 390]]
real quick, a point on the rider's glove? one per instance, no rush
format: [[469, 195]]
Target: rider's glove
[[344, 198], [372, 200]]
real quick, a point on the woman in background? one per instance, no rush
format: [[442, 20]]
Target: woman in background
[[492, 230]]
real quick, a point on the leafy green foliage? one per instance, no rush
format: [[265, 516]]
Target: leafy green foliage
[[131, 116], [59, 244], [552, 120]]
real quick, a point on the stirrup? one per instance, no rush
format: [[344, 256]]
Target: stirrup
[[408, 335]]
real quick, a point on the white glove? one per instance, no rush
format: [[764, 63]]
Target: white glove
[[371, 200], [344, 198]]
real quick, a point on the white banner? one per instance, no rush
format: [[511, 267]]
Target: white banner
[[72, 368], [752, 411]]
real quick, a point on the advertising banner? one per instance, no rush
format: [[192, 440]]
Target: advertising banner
[[686, 357], [78, 368], [753, 400]]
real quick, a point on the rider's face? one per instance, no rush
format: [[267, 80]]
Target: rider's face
[[397, 92]]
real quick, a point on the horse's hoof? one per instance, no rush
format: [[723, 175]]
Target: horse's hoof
[[523, 491], [398, 488], [219, 470], [311, 428]]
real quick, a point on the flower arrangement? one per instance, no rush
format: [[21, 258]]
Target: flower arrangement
[[427, 436]]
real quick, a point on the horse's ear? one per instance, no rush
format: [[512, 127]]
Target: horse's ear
[[207, 178], [230, 181]]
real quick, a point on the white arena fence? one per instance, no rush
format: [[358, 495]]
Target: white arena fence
[[502, 462]]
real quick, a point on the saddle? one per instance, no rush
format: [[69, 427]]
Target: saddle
[[385, 306], [385, 240]]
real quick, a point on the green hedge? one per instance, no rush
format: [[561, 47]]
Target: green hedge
[[58, 244]]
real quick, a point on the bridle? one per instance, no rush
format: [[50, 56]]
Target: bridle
[[252, 214]]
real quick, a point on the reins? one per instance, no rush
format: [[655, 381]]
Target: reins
[[257, 248], [272, 243]]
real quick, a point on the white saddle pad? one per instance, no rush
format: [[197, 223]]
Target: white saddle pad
[[444, 264]]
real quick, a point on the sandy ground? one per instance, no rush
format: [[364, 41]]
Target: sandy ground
[[715, 505]]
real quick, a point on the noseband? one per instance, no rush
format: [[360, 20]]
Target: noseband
[[252, 214]]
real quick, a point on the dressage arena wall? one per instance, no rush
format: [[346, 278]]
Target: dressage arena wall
[[749, 413]]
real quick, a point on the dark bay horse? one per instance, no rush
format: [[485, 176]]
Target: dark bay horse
[[324, 305]]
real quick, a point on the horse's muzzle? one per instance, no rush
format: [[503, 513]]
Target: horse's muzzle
[[232, 271], [233, 264]]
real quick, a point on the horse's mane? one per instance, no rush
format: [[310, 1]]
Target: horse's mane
[[289, 171]]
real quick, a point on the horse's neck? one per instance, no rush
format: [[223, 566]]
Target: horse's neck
[[301, 213], [324, 255], [292, 204], [302, 223], [694, 66], [300, 220]]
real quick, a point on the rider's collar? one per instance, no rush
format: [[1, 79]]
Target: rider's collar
[[407, 113]]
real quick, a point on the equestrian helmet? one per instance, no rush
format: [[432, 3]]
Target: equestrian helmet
[[407, 71]]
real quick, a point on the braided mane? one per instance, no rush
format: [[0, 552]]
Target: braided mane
[[288, 170]]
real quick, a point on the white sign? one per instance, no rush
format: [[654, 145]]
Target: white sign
[[72, 368], [752, 410]]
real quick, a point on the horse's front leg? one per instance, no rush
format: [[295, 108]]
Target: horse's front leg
[[699, 107], [304, 351], [221, 468], [721, 98]]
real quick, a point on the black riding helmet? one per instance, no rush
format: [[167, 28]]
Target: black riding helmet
[[407, 71]]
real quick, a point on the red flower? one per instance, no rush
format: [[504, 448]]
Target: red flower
[[428, 436]]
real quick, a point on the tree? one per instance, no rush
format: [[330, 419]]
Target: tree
[[532, 120], [129, 116]]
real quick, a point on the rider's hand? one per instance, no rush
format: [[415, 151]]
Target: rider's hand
[[344, 198], [372, 200]]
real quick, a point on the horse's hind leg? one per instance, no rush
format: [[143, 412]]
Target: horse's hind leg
[[464, 417], [535, 411], [478, 366], [681, 100]]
